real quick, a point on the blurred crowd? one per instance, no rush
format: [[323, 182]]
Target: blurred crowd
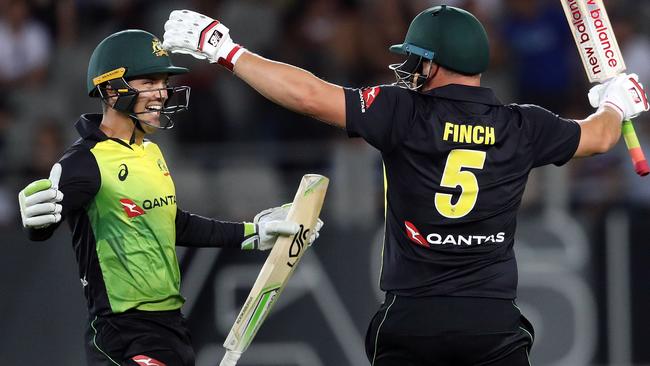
[[234, 142]]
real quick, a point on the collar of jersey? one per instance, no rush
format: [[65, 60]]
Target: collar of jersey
[[465, 93], [88, 128]]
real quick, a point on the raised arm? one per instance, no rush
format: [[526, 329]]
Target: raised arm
[[599, 132], [619, 99], [289, 86]]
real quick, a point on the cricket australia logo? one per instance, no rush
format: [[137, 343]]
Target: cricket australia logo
[[157, 48], [297, 245], [162, 167], [215, 38]]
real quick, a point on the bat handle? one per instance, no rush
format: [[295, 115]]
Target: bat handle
[[230, 358], [636, 153]]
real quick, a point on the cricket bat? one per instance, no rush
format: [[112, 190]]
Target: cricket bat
[[277, 269], [602, 59]]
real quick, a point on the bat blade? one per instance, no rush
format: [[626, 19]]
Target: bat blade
[[277, 268], [592, 31]]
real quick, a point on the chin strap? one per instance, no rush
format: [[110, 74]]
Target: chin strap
[[431, 77], [136, 126]]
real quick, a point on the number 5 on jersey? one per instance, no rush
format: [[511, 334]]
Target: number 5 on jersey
[[454, 176]]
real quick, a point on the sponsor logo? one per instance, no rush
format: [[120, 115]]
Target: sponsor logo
[[215, 38], [123, 173], [414, 234], [146, 361], [157, 48], [367, 96], [594, 36], [432, 239], [636, 98], [297, 245], [113, 74], [161, 201], [130, 208], [437, 239]]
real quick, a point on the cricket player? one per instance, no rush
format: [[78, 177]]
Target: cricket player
[[114, 189], [456, 163]]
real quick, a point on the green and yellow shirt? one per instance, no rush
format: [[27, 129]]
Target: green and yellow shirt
[[120, 203]]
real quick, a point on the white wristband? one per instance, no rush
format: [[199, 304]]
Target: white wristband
[[231, 58]]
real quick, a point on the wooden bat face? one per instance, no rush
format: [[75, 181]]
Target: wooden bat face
[[595, 39]]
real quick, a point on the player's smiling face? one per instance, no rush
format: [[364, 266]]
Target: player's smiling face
[[151, 99]]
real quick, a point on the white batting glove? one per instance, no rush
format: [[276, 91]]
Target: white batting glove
[[195, 34], [281, 213], [622, 93], [273, 219], [39, 201]]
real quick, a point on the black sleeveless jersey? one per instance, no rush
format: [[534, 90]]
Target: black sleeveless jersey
[[456, 162]]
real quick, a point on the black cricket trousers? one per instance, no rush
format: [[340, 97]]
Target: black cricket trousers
[[138, 338], [448, 331]]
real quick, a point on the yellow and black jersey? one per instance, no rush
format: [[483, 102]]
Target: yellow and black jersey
[[456, 162], [119, 200]]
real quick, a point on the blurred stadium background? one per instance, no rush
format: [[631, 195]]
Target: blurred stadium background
[[582, 246]]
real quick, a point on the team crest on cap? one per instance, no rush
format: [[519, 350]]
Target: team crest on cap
[[157, 48]]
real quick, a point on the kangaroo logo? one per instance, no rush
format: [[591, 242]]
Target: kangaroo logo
[[414, 234]]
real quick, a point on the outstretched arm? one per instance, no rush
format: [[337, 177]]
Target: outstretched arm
[[289, 86], [293, 88]]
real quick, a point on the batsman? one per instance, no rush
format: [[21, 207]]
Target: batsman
[[456, 163]]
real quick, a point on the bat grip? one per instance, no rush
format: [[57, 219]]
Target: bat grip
[[634, 148], [230, 358]]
